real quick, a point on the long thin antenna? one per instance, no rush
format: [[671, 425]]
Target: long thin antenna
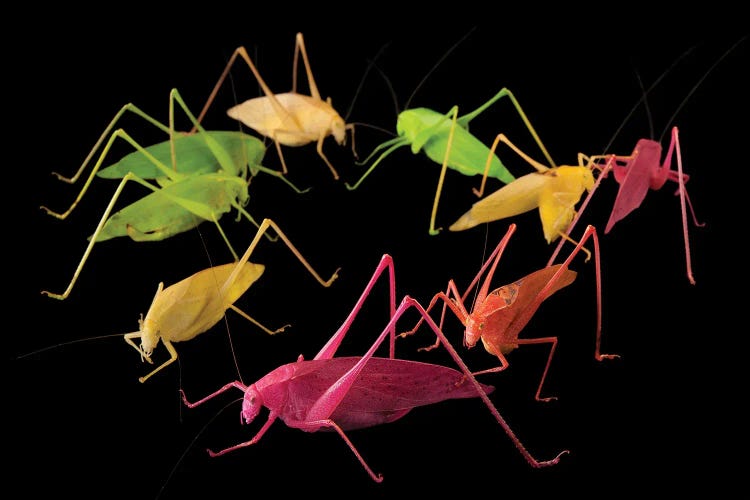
[[698, 83], [643, 98], [370, 64], [645, 94], [446, 54], [191, 445], [69, 342], [646, 106]]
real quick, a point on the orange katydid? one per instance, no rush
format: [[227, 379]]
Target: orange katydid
[[499, 315]]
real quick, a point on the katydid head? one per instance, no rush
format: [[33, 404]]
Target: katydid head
[[149, 330], [338, 129], [411, 122], [270, 391], [473, 331], [252, 402], [498, 299]]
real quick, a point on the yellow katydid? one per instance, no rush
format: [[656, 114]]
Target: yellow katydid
[[192, 306]]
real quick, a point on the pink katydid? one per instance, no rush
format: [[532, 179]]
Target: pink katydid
[[638, 173], [643, 170], [499, 315], [338, 394]]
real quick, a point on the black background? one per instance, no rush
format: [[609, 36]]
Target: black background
[[82, 424]]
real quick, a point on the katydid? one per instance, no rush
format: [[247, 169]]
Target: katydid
[[195, 304], [290, 118], [553, 190], [446, 140], [339, 394], [208, 177], [499, 315], [640, 172], [643, 170]]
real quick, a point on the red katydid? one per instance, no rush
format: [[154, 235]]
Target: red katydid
[[643, 170], [498, 316], [339, 394], [638, 173]]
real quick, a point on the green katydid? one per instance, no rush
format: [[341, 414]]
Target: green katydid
[[436, 134], [208, 176]]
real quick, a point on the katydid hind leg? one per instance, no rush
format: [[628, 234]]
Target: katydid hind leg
[[331, 398], [410, 302], [590, 232]]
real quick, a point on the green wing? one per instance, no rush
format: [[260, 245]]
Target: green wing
[[193, 154]]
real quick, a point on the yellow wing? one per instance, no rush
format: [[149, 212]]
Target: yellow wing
[[515, 198], [302, 121], [193, 305], [559, 197]]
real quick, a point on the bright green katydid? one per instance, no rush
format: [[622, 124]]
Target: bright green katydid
[[428, 130], [208, 176]]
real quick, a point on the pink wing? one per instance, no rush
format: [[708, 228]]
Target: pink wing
[[386, 389], [634, 179]]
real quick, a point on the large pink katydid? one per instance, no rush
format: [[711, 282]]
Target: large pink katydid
[[499, 315], [339, 394], [643, 170]]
